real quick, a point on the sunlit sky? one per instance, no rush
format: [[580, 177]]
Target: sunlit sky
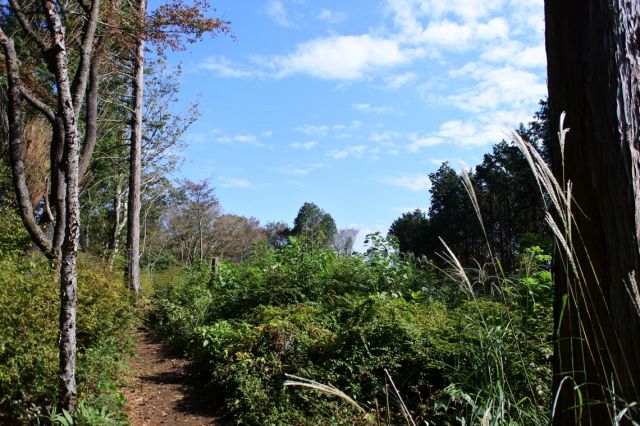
[[350, 104]]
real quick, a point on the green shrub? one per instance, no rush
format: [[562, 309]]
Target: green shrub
[[29, 330], [344, 320]]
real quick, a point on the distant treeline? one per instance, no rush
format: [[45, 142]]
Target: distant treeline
[[508, 198]]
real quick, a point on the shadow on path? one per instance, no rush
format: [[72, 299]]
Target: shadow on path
[[164, 391]]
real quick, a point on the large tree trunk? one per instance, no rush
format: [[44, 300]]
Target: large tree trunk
[[135, 167], [593, 74]]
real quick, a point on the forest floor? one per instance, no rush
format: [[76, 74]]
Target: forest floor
[[162, 391]]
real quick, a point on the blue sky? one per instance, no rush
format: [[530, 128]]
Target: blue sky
[[350, 104]]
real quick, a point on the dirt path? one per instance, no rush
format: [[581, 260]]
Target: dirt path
[[162, 392]]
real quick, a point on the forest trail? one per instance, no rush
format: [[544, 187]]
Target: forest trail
[[163, 392]]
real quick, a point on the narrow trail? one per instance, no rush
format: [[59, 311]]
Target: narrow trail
[[163, 392]]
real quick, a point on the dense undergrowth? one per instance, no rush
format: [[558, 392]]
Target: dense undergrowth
[[460, 350], [29, 296]]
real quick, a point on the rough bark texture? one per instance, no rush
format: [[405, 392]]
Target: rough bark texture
[[68, 268], [593, 75], [135, 166], [64, 161]]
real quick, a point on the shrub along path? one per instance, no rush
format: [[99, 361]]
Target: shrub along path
[[163, 392]]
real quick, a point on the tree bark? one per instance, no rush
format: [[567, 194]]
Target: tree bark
[[68, 270], [91, 107], [135, 160], [593, 74], [16, 151]]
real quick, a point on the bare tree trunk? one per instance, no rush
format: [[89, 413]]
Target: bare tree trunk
[[135, 167], [115, 225], [91, 118], [593, 74], [68, 270]]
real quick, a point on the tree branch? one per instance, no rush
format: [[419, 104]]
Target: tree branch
[[24, 23], [38, 104], [79, 85], [91, 118], [16, 151]]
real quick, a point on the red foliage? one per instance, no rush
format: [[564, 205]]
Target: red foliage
[[174, 23]]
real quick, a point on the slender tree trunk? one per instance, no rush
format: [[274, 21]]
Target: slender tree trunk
[[135, 166], [68, 268], [593, 74]]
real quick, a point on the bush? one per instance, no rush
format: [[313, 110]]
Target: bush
[[29, 330], [344, 320]]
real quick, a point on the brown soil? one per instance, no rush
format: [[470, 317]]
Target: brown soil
[[162, 391]]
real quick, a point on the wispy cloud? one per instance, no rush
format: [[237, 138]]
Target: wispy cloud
[[276, 10], [297, 169], [223, 67], [419, 142], [368, 108], [351, 151], [232, 182], [399, 80], [242, 139], [412, 182], [313, 129], [304, 145], [323, 130], [332, 16]]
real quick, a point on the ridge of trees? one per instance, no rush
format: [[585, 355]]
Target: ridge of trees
[[508, 196]]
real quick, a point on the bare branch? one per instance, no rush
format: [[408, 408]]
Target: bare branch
[[38, 104], [79, 85], [16, 151], [91, 118], [24, 23]]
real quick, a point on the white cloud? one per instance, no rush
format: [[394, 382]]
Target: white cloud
[[276, 10], [313, 129], [364, 107], [497, 87], [224, 67], [339, 131], [535, 56], [297, 169], [414, 182], [242, 139], [231, 182], [342, 57], [461, 36], [351, 151], [332, 17], [417, 142], [399, 80], [469, 133], [304, 145], [386, 138]]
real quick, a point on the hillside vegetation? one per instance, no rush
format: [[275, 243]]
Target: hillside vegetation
[[458, 349]]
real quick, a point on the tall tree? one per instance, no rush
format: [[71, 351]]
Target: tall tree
[[135, 156], [411, 231], [167, 27], [315, 224], [593, 59], [344, 240], [45, 26]]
